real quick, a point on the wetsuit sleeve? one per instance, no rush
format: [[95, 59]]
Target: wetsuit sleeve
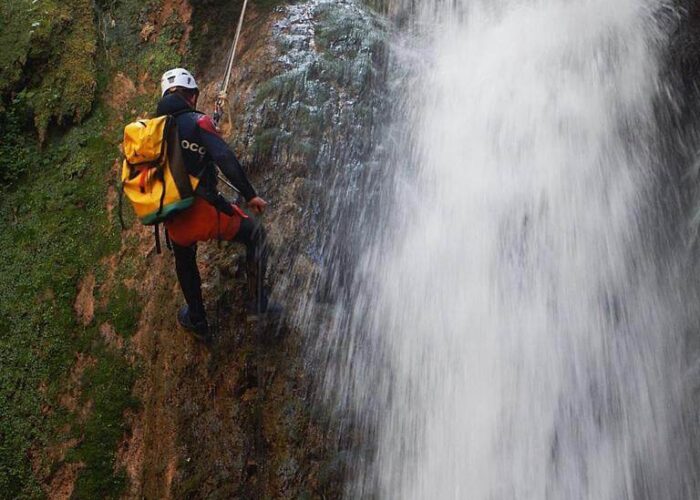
[[225, 158]]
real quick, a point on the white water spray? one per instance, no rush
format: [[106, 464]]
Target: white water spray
[[530, 336]]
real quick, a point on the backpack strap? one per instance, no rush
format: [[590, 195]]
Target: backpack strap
[[121, 205], [162, 196], [168, 243], [176, 161], [156, 233]]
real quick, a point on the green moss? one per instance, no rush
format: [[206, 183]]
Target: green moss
[[54, 230], [67, 88], [51, 58], [53, 226], [120, 23], [16, 19], [266, 140], [304, 102], [123, 311], [108, 387], [159, 57], [133, 54], [18, 150]]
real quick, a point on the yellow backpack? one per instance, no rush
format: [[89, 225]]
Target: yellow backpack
[[154, 177]]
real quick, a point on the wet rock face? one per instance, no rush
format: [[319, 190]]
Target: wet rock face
[[684, 57], [315, 125], [321, 122], [681, 141], [677, 112], [322, 107], [242, 419], [313, 138]]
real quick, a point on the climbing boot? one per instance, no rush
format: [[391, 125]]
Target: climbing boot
[[198, 329], [259, 306]]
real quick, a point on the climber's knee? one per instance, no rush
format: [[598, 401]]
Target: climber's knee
[[253, 235]]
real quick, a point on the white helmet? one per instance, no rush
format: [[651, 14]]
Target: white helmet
[[177, 77]]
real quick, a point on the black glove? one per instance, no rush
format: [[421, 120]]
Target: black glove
[[223, 205]]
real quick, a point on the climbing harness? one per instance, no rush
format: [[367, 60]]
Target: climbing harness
[[222, 97]]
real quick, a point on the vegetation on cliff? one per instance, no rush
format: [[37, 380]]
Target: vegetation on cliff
[[48, 58], [73, 73], [63, 388]]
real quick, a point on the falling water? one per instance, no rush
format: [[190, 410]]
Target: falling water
[[517, 328]]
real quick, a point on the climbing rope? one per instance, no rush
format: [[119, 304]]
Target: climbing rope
[[222, 97]]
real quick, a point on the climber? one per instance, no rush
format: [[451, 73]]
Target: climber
[[211, 216]]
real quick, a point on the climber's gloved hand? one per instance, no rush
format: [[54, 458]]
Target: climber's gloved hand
[[257, 205]]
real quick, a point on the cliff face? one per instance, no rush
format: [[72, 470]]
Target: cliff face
[[102, 394]]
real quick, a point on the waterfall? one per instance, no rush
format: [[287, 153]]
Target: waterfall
[[516, 329]]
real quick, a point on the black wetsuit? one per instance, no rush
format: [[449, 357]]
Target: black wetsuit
[[203, 150]]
